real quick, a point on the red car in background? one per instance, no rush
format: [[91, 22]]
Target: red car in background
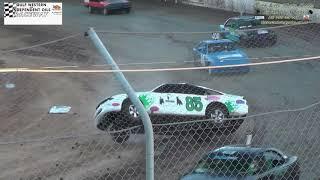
[[106, 6]]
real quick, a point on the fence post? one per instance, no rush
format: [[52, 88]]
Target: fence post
[[134, 99]]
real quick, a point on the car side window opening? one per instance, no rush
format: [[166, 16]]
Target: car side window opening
[[231, 23], [240, 23], [218, 47], [190, 89], [211, 92], [202, 47], [165, 88]]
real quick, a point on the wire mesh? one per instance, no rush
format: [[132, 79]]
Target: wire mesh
[[199, 130]]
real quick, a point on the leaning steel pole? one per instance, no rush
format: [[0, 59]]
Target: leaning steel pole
[[134, 99]]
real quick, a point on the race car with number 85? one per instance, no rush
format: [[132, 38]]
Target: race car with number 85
[[181, 100]]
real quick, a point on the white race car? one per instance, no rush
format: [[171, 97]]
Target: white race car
[[179, 100]]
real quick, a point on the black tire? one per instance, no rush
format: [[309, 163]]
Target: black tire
[[119, 137], [126, 111], [217, 112]]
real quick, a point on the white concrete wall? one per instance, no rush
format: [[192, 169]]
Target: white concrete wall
[[266, 8], [290, 10]]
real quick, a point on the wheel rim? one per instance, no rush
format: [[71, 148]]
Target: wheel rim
[[133, 111], [218, 116]]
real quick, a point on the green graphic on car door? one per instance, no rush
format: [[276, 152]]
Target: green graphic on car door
[[194, 103], [147, 100]]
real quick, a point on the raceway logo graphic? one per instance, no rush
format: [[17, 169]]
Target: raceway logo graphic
[[9, 9], [32, 13]]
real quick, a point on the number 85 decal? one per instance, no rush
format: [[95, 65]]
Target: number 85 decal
[[193, 103]]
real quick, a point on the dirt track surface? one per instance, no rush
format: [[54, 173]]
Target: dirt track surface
[[24, 115]]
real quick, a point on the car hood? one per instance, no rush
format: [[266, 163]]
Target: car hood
[[210, 177]]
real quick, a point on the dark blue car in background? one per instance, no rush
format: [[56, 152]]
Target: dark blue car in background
[[220, 52]]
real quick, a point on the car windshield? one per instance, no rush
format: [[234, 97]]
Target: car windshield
[[217, 47], [224, 166]]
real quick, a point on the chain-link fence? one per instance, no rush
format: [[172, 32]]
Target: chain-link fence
[[253, 118]]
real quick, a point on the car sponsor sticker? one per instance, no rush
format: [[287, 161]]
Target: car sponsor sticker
[[259, 17], [147, 100], [32, 13]]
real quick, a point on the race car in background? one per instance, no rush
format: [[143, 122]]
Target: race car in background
[[107, 6], [220, 52], [175, 100], [247, 31], [239, 162]]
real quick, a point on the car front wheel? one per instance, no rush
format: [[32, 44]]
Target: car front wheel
[[217, 113], [129, 111]]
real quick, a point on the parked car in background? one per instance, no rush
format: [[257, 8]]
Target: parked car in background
[[247, 31], [220, 52], [241, 162], [107, 6]]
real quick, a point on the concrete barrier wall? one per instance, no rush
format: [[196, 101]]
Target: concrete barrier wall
[[266, 8], [290, 10], [247, 6]]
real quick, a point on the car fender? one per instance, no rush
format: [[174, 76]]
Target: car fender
[[113, 105]]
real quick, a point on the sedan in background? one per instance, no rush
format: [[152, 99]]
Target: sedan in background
[[107, 6]]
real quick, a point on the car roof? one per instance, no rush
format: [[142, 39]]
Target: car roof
[[240, 149], [211, 41]]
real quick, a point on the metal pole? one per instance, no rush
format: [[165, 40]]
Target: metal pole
[[134, 99]]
